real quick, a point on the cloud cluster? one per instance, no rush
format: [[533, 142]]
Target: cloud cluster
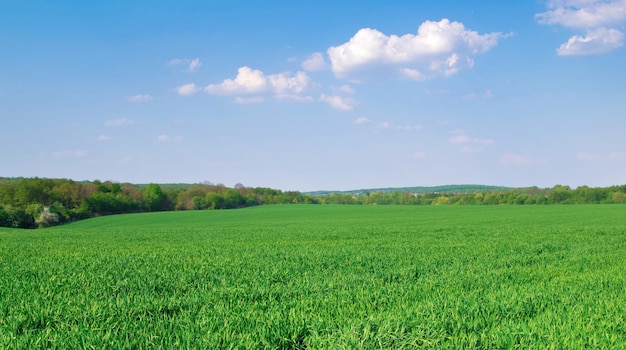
[[253, 81], [438, 48], [598, 18]]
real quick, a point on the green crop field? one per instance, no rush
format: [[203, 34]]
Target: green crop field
[[321, 277]]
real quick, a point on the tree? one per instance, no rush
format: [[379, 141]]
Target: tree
[[153, 197]]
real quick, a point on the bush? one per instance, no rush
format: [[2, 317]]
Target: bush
[[47, 218]]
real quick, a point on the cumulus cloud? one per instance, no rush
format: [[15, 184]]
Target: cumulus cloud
[[598, 18], [119, 122], [361, 120], [191, 64], [438, 48], [253, 81], [339, 102], [139, 98], [103, 137], [315, 62], [596, 42], [188, 89]]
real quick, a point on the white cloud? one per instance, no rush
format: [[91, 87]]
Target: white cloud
[[419, 155], [409, 127], [119, 122], [617, 156], [139, 98], [315, 62], [361, 120], [69, 154], [248, 100], [438, 48], [598, 41], [168, 138], [592, 157], [188, 89], [253, 81], [597, 17], [339, 102], [461, 138], [589, 157], [346, 89], [512, 159], [386, 125], [192, 64], [584, 13], [103, 137], [175, 61], [294, 98]]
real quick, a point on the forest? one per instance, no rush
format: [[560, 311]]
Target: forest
[[42, 202]]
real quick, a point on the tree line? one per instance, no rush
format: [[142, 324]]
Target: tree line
[[40, 202]]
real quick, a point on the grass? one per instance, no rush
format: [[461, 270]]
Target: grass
[[319, 277]]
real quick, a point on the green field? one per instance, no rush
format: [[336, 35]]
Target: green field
[[321, 277]]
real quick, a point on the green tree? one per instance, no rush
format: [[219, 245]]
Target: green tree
[[153, 197]]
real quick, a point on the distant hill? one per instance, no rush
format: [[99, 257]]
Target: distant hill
[[420, 189]]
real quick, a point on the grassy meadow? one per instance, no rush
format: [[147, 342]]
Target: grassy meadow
[[320, 277]]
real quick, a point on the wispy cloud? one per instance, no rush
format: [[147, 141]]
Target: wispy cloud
[[513, 159], [191, 64], [599, 20], [119, 122], [592, 157], [339, 102], [103, 137], [69, 154], [468, 144], [386, 125], [315, 62], [168, 138], [419, 155], [248, 100], [139, 98], [438, 48], [188, 89], [360, 120]]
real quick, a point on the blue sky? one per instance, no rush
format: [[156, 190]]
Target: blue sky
[[315, 95]]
